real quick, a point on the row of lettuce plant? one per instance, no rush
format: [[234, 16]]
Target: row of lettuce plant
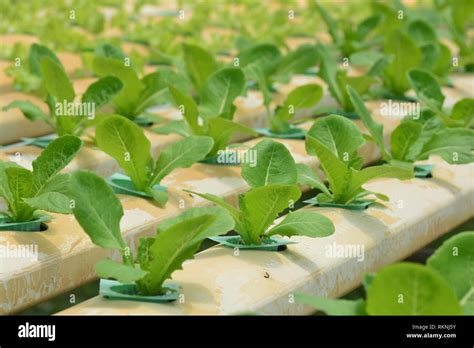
[[132, 96], [351, 35], [402, 31], [434, 133], [334, 139], [260, 63], [60, 96]]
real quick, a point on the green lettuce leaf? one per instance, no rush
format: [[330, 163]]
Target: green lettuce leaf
[[181, 154], [219, 92], [303, 223], [97, 209], [200, 64], [410, 289], [274, 165], [170, 249], [453, 260], [125, 142], [260, 206]]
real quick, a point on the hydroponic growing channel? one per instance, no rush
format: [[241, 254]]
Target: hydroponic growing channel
[[237, 157]]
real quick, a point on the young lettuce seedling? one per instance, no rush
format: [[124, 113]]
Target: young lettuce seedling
[[28, 76], [99, 212], [65, 116], [301, 97], [459, 22], [429, 93], [436, 56], [346, 38], [137, 95], [337, 81], [297, 61], [26, 193], [442, 287], [273, 189], [106, 50], [406, 55], [127, 144], [414, 141], [213, 116], [199, 65], [263, 64], [335, 140]]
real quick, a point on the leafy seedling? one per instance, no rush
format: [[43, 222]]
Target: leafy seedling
[[199, 64], [436, 56], [302, 97], [297, 61], [442, 287], [273, 189], [27, 193], [65, 116], [337, 80], [406, 55], [135, 60], [28, 77], [413, 141], [399, 289], [453, 260], [347, 38], [127, 144], [335, 140], [138, 95], [264, 64], [429, 93], [459, 21], [213, 116], [99, 212]]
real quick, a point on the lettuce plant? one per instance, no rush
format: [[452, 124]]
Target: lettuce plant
[[413, 141], [296, 61], [199, 64], [137, 95], [28, 77], [213, 116], [459, 21], [337, 80], [259, 63], [99, 212], [272, 190], [264, 64], [61, 96], [89, 18], [301, 97], [429, 93], [109, 50], [127, 144], [26, 192], [406, 55], [442, 287], [435, 55], [345, 37], [335, 140]]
